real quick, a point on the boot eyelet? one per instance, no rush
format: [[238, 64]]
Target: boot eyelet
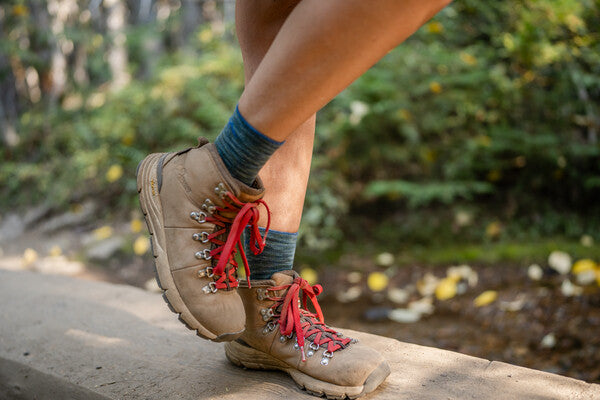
[[208, 206], [267, 313], [203, 255], [201, 237], [261, 294], [314, 346], [206, 272], [210, 288], [198, 216], [221, 190]]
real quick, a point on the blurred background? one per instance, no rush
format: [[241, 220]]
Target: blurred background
[[454, 199]]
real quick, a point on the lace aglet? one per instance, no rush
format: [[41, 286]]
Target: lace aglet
[[303, 354]]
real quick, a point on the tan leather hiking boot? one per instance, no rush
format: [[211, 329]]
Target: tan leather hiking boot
[[281, 335], [196, 212]]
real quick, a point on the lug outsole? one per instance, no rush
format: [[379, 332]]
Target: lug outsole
[[150, 205], [244, 356]]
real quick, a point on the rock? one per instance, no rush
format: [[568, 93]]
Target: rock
[[12, 226], [70, 218], [105, 249], [404, 315], [351, 294]]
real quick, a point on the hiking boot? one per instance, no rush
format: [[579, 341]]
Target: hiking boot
[[196, 212], [282, 335]]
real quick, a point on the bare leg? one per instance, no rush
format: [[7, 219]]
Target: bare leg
[[285, 175], [321, 48]]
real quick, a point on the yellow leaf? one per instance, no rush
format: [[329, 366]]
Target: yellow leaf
[[114, 173], [29, 256], [493, 230], [583, 265], [435, 27], [446, 289], [377, 281], [310, 275], [20, 10], [103, 232], [136, 225], [468, 58], [598, 276], [435, 87], [485, 298], [128, 139], [484, 140], [494, 175], [55, 251], [141, 245], [404, 114]]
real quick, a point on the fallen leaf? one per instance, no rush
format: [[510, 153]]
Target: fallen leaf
[[351, 294], [485, 298], [560, 262], [583, 265], [568, 289], [141, 245], [55, 251], [385, 259], [377, 281], [29, 256], [114, 173], [104, 232], [426, 285], [422, 306], [398, 296], [136, 226], [535, 272], [446, 289], [548, 341], [354, 277]]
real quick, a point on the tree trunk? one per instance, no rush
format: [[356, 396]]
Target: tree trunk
[[117, 53]]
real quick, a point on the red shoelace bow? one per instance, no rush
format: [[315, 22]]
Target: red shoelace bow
[[303, 323], [225, 251]]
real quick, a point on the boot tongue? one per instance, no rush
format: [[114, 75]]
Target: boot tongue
[[284, 277]]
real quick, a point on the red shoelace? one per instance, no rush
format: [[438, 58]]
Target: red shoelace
[[225, 251], [306, 325]]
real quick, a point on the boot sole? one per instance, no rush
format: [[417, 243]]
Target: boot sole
[[148, 188], [245, 356]]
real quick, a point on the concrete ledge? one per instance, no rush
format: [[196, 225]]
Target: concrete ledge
[[72, 339]]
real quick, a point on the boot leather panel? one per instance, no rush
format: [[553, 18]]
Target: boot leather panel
[[223, 312]]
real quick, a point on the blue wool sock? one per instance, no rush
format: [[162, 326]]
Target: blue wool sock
[[244, 150], [278, 254]]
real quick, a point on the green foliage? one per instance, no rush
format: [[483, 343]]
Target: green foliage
[[492, 104], [491, 108]]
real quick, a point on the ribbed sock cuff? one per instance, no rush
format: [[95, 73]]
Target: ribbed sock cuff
[[244, 150], [278, 254]]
